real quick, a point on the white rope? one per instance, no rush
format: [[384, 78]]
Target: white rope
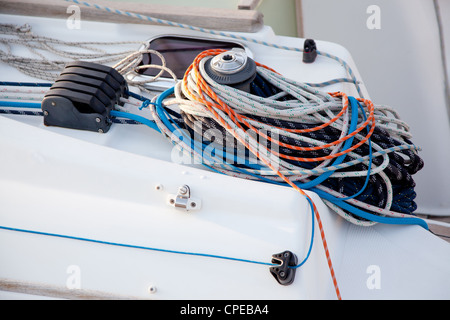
[[39, 65]]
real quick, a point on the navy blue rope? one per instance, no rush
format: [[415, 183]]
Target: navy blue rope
[[24, 84]]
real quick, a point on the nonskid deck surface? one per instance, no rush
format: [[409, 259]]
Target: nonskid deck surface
[[122, 191]]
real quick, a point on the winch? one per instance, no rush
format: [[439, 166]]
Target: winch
[[233, 68]]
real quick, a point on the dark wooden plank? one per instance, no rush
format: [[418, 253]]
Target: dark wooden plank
[[443, 231], [58, 292], [210, 18]]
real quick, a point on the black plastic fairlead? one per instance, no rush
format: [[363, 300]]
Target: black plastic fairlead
[[284, 271], [309, 51], [83, 96]]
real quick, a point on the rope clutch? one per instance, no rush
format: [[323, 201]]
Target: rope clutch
[[83, 96]]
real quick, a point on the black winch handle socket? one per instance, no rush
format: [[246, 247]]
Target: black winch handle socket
[[284, 272], [309, 51]]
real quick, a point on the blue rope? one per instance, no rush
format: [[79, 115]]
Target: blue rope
[[135, 117], [366, 182], [133, 246], [368, 216], [311, 205], [16, 104]]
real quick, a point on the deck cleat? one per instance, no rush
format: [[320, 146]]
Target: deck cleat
[[284, 273]]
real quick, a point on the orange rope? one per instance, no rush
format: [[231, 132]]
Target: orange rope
[[202, 88], [371, 119]]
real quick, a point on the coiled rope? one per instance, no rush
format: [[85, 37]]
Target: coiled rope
[[320, 138], [302, 116]]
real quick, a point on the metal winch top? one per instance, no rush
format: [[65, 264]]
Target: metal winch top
[[233, 68], [229, 62]]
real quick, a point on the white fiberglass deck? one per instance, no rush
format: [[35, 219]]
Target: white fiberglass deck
[[103, 187]]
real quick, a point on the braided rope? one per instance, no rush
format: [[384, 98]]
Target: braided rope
[[39, 65]]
